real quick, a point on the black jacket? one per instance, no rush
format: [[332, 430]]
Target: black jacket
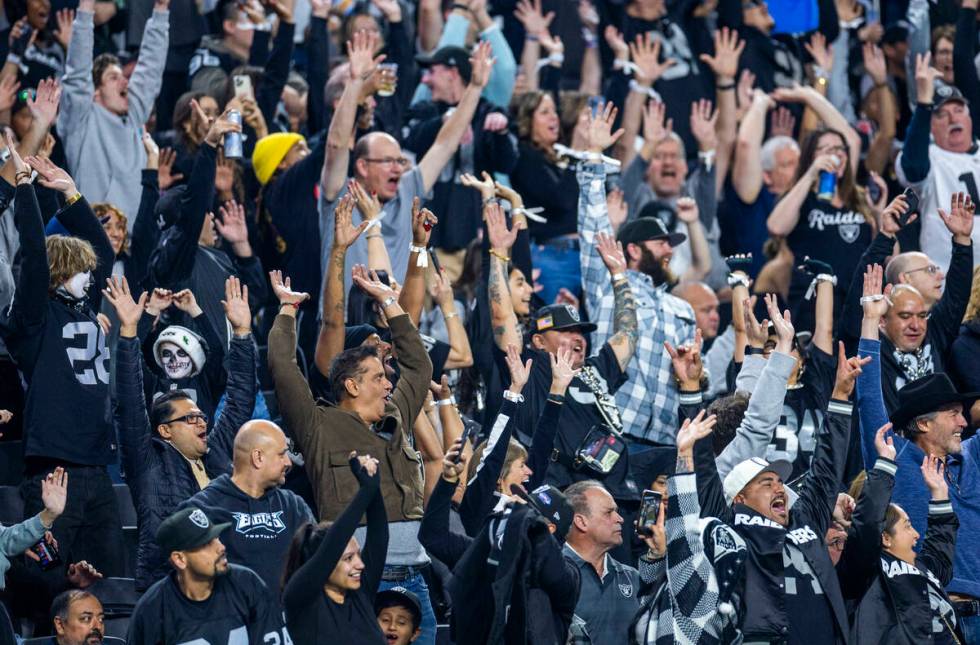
[[896, 609], [159, 477], [962, 358], [764, 617], [527, 598]]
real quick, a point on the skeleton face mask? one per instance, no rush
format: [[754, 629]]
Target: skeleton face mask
[[175, 361], [77, 285]]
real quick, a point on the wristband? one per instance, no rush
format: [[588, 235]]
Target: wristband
[[74, 198], [820, 73], [21, 175], [754, 351], [556, 398], [531, 37], [443, 402], [725, 87], [371, 237], [294, 305], [649, 91], [530, 213], [423, 259], [618, 277], [627, 67], [557, 58], [875, 298], [461, 7], [707, 157], [500, 256], [735, 279], [390, 300], [513, 398], [451, 314], [821, 277]]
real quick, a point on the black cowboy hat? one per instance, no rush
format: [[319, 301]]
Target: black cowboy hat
[[925, 395]]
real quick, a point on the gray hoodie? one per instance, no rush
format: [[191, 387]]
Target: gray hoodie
[[104, 150]]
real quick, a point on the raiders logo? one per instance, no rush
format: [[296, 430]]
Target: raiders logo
[[626, 590], [199, 518], [849, 232]]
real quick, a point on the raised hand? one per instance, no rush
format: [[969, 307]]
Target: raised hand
[[616, 208], [441, 290], [877, 207], [686, 360], [822, 53], [873, 301], [160, 299], [598, 133], [614, 38], [371, 284], [236, 306], [509, 194], [848, 369], [745, 93], [756, 332], [21, 170], [344, 231], [82, 575], [231, 225], [562, 371], [728, 49], [283, 290], [152, 150], [687, 210], [127, 310], [501, 237], [224, 176], [166, 177], [481, 63], [843, 510], [8, 92], [360, 55], [185, 301], [784, 327], [703, 120], [520, 371], [5, 417], [53, 177], [693, 429], [611, 253], [485, 184], [959, 221], [934, 473], [219, 128], [645, 52], [925, 77], [884, 445], [54, 495], [655, 127], [422, 222], [535, 22], [890, 220], [65, 19], [453, 464], [874, 63], [782, 122]]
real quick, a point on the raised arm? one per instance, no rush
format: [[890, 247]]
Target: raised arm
[[879, 151], [276, 72], [144, 84], [452, 131], [543, 440], [827, 113], [29, 307], [460, 352], [435, 533], [412, 297], [688, 212], [78, 102], [362, 64], [870, 402], [330, 340], [747, 167], [786, 214], [914, 160], [44, 110], [948, 312], [502, 317]]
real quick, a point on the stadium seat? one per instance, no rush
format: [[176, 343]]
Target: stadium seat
[[11, 462], [11, 505], [118, 595], [116, 626]]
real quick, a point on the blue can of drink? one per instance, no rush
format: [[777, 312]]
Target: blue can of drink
[[827, 185], [233, 140]]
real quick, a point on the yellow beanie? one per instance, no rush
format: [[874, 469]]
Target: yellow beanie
[[269, 152]]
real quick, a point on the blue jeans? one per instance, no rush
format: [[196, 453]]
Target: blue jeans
[[971, 629], [416, 584], [559, 268]]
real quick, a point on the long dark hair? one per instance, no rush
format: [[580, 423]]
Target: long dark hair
[[304, 544], [850, 192]]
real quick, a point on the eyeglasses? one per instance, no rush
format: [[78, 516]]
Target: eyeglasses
[[931, 269], [836, 150], [401, 162], [191, 418]]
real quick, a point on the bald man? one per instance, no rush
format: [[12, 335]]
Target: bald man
[[263, 515], [719, 349]]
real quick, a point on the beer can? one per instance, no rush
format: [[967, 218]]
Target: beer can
[[233, 140], [828, 184]]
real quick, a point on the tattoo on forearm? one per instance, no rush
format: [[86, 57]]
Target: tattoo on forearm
[[684, 464], [624, 315], [498, 287]]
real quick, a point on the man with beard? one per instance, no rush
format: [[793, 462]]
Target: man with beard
[[648, 399], [168, 455], [204, 599], [262, 515], [77, 617], [948, 164]]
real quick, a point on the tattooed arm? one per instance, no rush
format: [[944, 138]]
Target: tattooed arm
[[502, 316], [625, 333]]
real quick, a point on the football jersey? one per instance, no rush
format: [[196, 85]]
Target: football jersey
[[949, 172]]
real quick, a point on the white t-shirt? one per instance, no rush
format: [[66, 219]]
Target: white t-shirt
[[949, 172]]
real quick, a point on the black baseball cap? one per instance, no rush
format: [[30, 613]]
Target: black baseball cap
[[450, 56], [896, 32], [187, 530], [647, 228], [551, 503], [945, 93], [560, 318], [399, 597]]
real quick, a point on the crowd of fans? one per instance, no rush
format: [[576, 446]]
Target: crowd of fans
[[544, 322]]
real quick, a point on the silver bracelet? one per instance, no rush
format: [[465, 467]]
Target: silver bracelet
[[450, 401]]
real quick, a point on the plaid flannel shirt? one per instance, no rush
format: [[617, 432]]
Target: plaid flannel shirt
[[648, 399], [685, 609]]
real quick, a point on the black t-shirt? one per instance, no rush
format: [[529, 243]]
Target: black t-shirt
[[795, 437], [579, 414], [811, 621], [837, 236], [743, 226], [326, 621], [241, 609]]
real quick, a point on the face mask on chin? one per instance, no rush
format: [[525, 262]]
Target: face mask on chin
[[77, 285], [176, 363]]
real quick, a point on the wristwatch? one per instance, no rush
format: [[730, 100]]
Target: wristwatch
[[390, 300]]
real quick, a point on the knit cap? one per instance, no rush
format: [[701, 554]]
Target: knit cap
[[269, 152]]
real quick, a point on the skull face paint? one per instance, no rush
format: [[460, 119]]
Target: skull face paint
[[77, 285], [176, 362]]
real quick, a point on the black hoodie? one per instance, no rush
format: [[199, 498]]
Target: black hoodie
[[261, 529]]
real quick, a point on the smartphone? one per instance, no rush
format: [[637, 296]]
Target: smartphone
[[48, 554], [913, 201], [649, 510], [243, 86], [468, 433], [874, 191], [435, 260]]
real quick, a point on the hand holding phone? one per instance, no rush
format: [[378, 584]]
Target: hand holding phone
[[913, 202]]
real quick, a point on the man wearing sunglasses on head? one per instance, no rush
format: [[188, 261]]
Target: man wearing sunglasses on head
[[168, 454]]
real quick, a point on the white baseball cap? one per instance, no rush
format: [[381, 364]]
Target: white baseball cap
[[746, 471]]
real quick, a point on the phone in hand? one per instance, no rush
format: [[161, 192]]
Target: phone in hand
[[649, 510], [874, 191], [912, 199], [48, 554], [243, 86], [468, 433]]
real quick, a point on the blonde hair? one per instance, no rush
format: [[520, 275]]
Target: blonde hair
[[66, 257], [515, 451], [973, 308], [105, 209]]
